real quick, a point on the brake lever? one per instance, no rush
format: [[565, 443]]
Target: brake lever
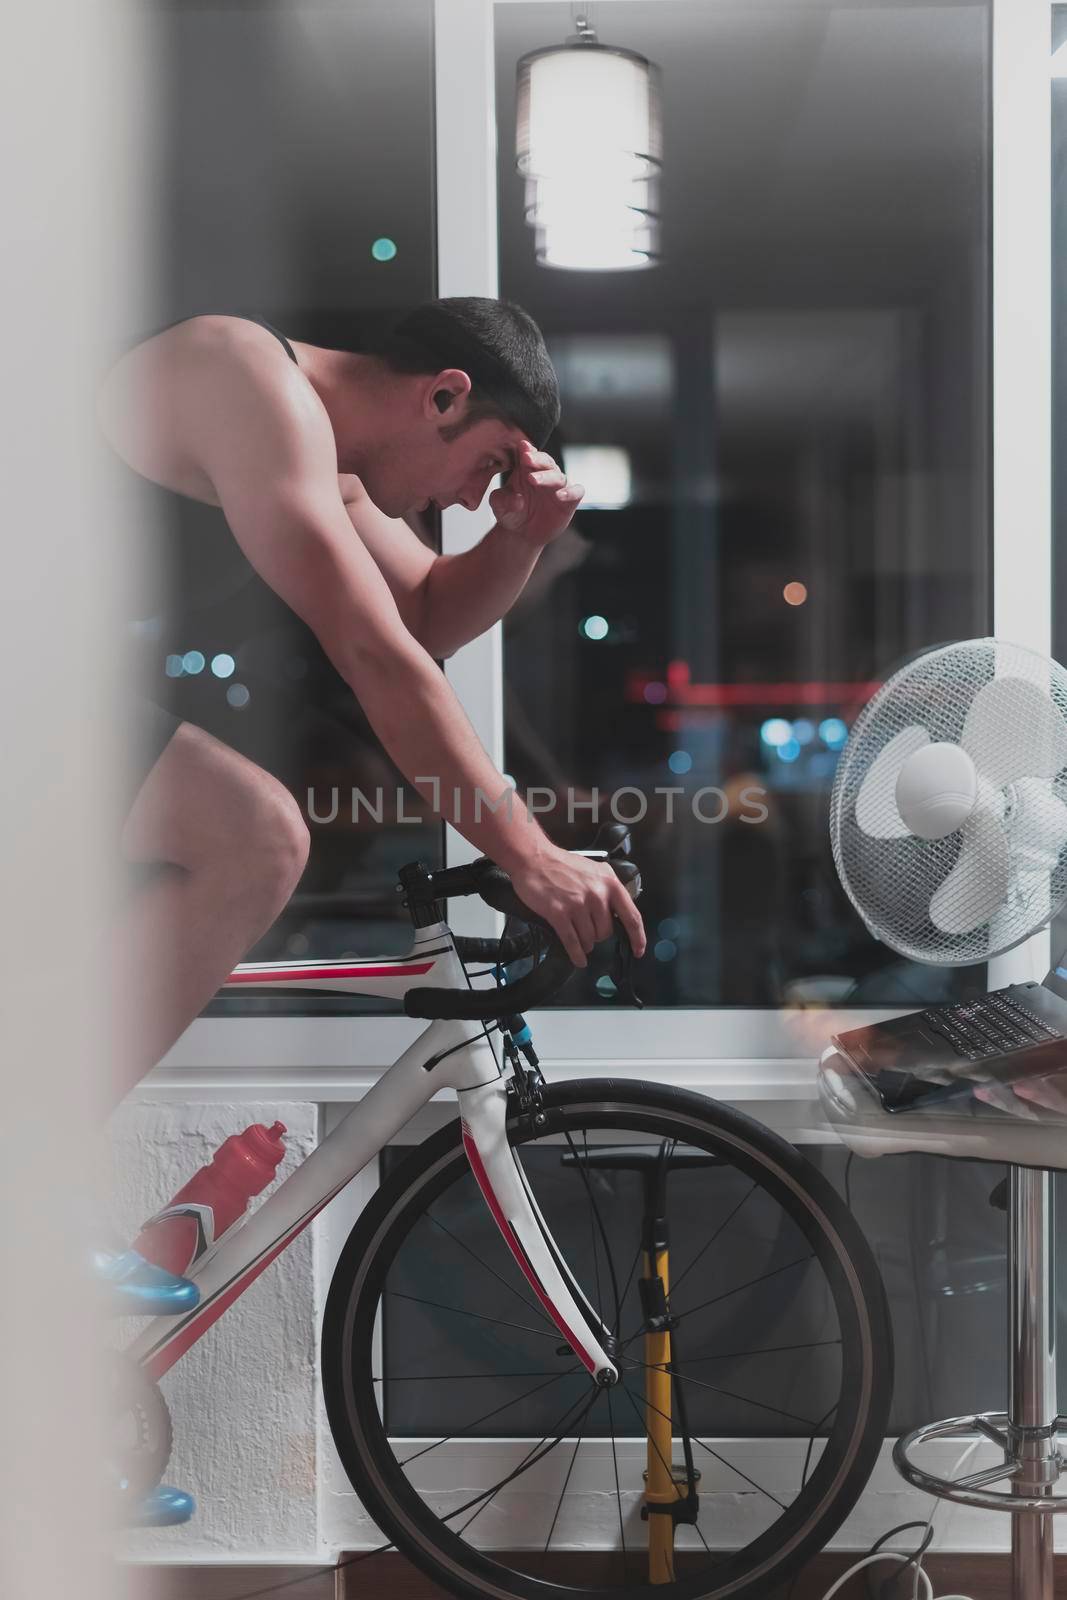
[[622, 971]]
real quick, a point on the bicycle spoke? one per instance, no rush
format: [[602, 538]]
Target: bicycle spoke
[[766, 1350], [716, 1454], [717, 1299], [719, 1230], [526, 1460], [527, 1302], [701, 1537], [729, 1394], [479, 1316], [730, 1467], [599, 1222], [447, 1439], [807, 1463], [566, 1481], [823, 1420], [592, 1239], [670, 1471], [456, 1377], [490, 1495], [618, 1490], [670, 1475], [630, 1276], [316, 1572], [742, 1355], [678, 1495]]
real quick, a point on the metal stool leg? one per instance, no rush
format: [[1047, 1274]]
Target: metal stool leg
[[1032, 1396], [1031, 1464]]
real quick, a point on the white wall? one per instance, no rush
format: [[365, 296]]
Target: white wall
[[244, 1398]]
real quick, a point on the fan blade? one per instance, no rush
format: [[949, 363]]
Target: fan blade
[[1014, 730], [1030, 893], [978, 884], [876, 803], [1036, 826]]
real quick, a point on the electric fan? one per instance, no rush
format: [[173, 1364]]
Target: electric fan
[[948, 817]]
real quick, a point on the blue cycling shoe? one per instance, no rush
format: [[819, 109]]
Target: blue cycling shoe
[[164, 1507], [138, 1288]]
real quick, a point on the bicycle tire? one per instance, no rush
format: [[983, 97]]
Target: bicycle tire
[[351, 1309]]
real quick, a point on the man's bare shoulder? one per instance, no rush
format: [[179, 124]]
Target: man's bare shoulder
[[206, 385], [211, 340]]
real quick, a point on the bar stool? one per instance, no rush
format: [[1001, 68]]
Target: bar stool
[[1027, 1434]]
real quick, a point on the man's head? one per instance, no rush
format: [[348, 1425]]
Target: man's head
[[466, 380]]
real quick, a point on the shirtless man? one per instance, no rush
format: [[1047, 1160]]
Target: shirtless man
[[313, 456]]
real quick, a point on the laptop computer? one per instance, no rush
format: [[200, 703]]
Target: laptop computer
[[939, 1057]]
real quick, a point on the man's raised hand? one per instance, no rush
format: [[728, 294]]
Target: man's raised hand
[[537, 501]]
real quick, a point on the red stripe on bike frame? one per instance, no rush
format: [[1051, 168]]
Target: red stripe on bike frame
[[200, 1321], [518, 1252], [285, 974]]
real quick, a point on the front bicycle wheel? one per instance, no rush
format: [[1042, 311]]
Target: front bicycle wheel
[[481, 1447]]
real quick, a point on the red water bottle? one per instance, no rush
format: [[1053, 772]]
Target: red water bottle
[[213, 1199]]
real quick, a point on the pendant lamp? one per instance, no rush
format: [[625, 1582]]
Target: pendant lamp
[[589, 146]]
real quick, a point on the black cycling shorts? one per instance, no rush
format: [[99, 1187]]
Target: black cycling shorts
[[151, 729]]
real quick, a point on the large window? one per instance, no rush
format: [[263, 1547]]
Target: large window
[[800, 391], [295, 180]]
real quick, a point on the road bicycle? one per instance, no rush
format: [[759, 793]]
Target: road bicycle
[[542, 1357]]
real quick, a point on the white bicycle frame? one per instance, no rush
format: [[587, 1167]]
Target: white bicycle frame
[[456, 1055]]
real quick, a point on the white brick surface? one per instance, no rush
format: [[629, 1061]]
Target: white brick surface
[[243, 1399]]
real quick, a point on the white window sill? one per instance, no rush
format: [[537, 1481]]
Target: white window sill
[[334, 1059]]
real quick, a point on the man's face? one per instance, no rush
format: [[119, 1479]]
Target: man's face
[[414, 466], [432, 471], [460, 472]]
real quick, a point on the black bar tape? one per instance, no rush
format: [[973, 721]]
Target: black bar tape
[[482, 1005]]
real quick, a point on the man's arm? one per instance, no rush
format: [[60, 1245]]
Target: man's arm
[[448, 600], [399, 554], [266, 443], [445, 601], [467, 593]]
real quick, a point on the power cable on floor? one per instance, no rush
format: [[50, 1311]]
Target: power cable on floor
[[915, 1558]]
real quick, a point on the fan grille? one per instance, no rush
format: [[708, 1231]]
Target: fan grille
[[891, 881]]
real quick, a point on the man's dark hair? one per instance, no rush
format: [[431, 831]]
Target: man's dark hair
[[500, 348]]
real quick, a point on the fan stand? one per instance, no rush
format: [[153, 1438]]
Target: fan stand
[[1027, 1433]]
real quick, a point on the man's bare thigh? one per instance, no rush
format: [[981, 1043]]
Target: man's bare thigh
[[197, 795]]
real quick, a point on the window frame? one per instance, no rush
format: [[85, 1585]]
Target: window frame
[[758, 1055]]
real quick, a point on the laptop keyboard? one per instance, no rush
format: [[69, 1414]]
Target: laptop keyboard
[[993, 1025]]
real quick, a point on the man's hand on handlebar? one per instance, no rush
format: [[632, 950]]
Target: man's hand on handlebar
[[578, 898]]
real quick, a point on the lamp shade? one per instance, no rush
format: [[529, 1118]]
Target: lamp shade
[[571, 202], [589, 106], [586, 252], [607, 228]]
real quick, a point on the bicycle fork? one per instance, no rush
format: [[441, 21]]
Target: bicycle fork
[[498, 1172]]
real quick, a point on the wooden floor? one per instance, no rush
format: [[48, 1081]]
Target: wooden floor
[[980, 1577]]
